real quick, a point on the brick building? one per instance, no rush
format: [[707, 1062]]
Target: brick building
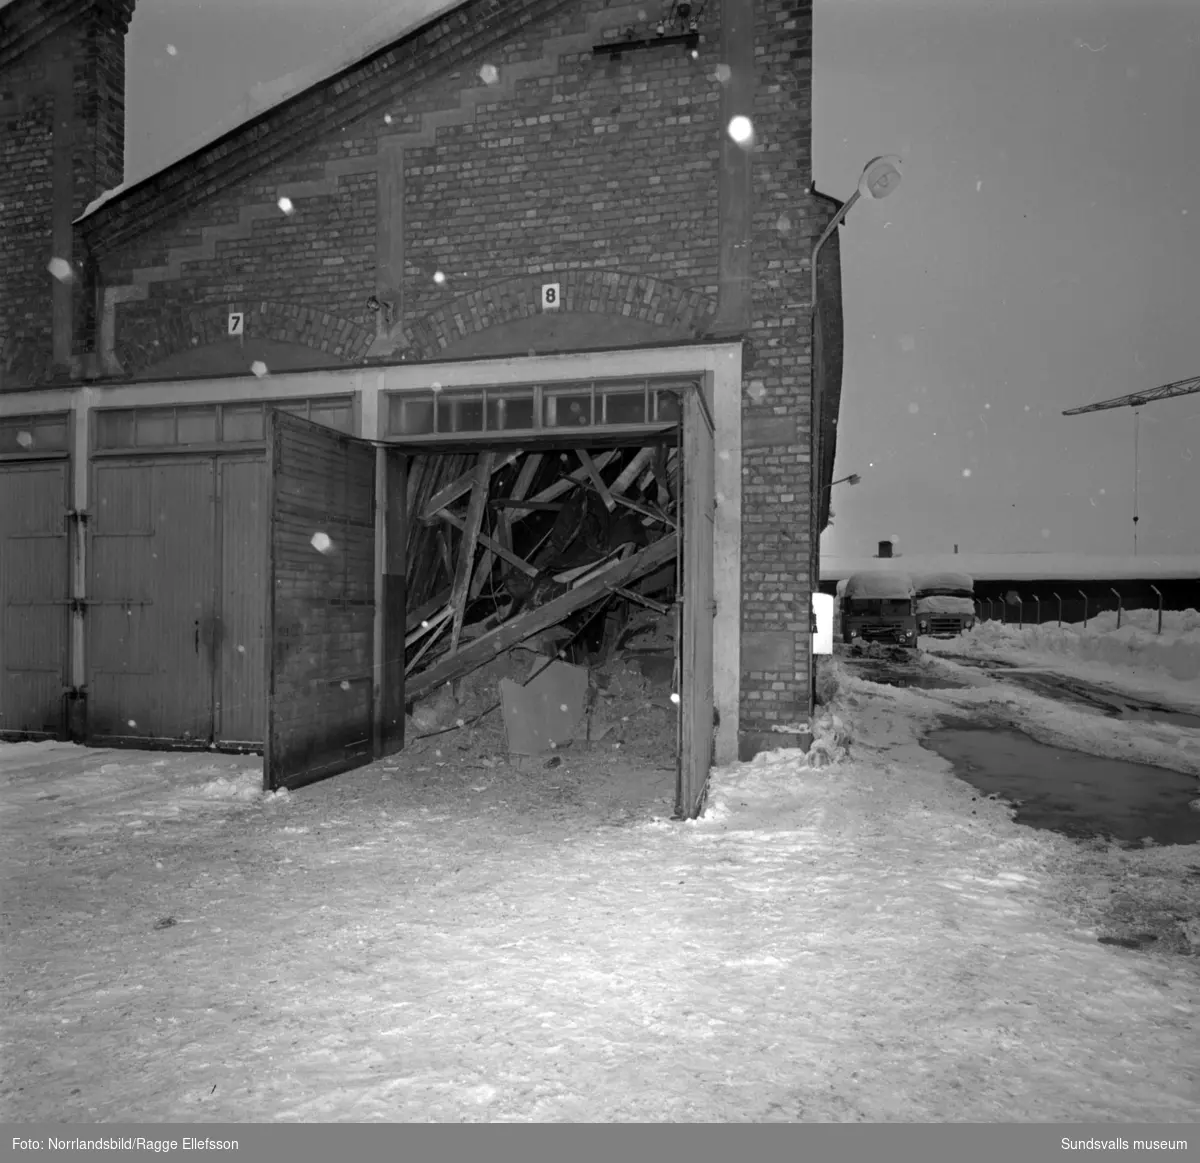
[[384, 226]]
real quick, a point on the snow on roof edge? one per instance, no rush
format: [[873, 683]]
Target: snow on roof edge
[[370, 38], [1024, 566]]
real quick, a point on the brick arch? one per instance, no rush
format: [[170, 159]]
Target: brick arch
[[663, 310], [149, 335]]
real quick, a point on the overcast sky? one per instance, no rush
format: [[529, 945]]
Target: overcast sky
[[1041, 253]]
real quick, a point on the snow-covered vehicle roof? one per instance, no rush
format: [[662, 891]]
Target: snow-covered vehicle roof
[[945, 582], [945, 604], [879, 584]]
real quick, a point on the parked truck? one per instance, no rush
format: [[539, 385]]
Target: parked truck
[[880, 606], [945, 604]]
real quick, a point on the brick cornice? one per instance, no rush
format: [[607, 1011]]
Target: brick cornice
[[263, 141], [25, 24]]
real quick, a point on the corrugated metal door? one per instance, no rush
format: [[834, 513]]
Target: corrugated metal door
[[321, 602], [696, 622], [34, 610], [151, 606], [240, 712]]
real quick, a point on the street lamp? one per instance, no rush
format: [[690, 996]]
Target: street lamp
[[880, 176], [853, 479]]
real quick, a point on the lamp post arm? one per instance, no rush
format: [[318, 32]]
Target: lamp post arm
[[816, 250]]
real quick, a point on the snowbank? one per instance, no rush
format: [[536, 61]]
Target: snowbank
[[1135, 646]]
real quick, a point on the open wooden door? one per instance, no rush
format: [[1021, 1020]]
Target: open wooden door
[[320, 623], [697, 607]]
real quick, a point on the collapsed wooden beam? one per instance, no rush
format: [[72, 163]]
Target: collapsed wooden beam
[[466, 553], [597, 480], [491, 544], [631, 470], [563, 485], [474, 655], [427, 624], [413, 618], [462, 486]]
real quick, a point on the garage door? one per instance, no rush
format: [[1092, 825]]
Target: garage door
[[34, 611], [321, 602], [150, 617], [698, 608]]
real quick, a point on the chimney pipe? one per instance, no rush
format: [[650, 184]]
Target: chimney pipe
[[885, 549]]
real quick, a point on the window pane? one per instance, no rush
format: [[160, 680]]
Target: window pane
[[568, 409], [510, 412], [155, 426], [197, 425], [460, 414], [668, 406], [51, 434], [336, 414], [114, 429], [241, 422], [410, 416], [624, 408]]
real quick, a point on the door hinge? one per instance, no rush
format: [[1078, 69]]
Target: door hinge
[[78, 605], [82, 516]]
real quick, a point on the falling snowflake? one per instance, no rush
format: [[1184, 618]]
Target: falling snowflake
[[132, 723], [966, 472], [241, 649], [345, 685], [757, 391], [722, 74], [1102, 492], [321, 542], [719, 498], [172, 50], [387, 119], [25, 439], [987, 405], [561, 706], [783, 224], [674, 698], [489, 74], [437, 387], [285, 204], [978, 186], [439, 277], [741, 130], [61, 270], [914, 408], [723, 454], [259, 368]]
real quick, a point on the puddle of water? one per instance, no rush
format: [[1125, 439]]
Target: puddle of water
[[1069, 792]]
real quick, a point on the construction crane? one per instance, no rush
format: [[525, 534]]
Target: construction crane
[[1136, 400]]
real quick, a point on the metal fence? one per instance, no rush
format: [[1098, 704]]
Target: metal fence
[[1031, 611]]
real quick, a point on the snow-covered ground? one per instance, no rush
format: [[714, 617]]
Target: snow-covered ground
[[853, 936], [1135, 656]]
